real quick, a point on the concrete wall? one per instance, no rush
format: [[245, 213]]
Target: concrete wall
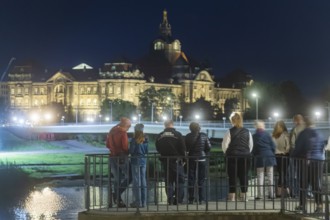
[[93, 215]]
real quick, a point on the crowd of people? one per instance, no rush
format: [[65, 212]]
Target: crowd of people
[[298, 157]]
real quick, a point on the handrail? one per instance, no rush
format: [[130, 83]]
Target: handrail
[[99, 188]]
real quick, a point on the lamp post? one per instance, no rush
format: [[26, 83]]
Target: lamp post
[[317, 115], [224, 122], [76, 114], [275, 116], [255, 95], [180, 120], [328, 108], [152, 112], [139, 117], [110, 102], [171, 107]]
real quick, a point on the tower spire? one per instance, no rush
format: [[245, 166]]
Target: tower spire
[[165, 27]]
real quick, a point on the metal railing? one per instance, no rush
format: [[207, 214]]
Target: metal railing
[[100, 187]]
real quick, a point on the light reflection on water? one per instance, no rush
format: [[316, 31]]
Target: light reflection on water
[[58, 203]]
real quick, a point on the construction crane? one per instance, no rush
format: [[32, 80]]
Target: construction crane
[[7, 68]]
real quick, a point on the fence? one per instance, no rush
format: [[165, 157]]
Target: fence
[[307, 180]]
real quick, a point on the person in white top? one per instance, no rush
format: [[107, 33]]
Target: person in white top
[[281, 139]]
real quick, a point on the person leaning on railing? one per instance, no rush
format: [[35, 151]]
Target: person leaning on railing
[[171, 147], [117, 143], [281, 139], [138, 149], [309, 151], [198, 146], [264, 156], [237, 145]]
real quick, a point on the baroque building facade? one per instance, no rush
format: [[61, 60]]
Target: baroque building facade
[[84, 87]]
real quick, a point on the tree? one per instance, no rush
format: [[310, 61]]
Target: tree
[[161, 102], [201, 107], [230, 106], [118, 108]]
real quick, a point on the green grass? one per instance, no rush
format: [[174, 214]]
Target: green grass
[[47, 165]]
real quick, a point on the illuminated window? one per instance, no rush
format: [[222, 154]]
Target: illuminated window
[[110, 89], [159, 46]]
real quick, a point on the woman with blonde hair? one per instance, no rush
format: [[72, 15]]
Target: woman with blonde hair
[[281, 139], [139, 150], [237, 145], [264, 155]]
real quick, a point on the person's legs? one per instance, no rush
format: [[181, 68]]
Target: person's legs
[[260, 182], [243, 167], [115, 180], [201, 179], [316, 171], [232, 174], [136, 184], [191, 179], [143, 181], [270, 178], [179, 182]]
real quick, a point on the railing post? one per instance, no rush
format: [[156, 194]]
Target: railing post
[[87, 183]]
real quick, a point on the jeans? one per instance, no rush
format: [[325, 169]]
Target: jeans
[[122, 175], [174, 180], [197, 170], [139, 184], [261, 178]]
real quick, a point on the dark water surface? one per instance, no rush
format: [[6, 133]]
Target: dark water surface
[[49, 203]]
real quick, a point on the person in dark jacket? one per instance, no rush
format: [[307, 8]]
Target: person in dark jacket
[[309, 152], [171, 147], [237, 145], [264, 154], [198, 146]]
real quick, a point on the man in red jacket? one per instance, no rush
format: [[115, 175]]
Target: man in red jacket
[[117, 143]]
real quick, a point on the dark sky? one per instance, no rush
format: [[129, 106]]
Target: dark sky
[[274, 40]]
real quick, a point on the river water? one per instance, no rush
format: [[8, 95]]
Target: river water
[[49, 203]]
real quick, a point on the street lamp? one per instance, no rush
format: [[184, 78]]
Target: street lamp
[[180, 119], [171, 107], [275, 116], [152, 112], [197, 117], [224, 122], [110, 110], [139, 117], [317, 115], [255, 95]]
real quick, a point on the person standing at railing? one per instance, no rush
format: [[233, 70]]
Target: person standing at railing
[[310, 155], [237, 145], [299, 126], [198, 146], [117, 143], [171, 147], [264, 155], [281, 138], [138, 150]]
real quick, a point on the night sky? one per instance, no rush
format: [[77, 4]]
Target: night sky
[[273, 40]]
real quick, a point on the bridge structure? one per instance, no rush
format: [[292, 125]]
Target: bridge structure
[[213, 130]]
